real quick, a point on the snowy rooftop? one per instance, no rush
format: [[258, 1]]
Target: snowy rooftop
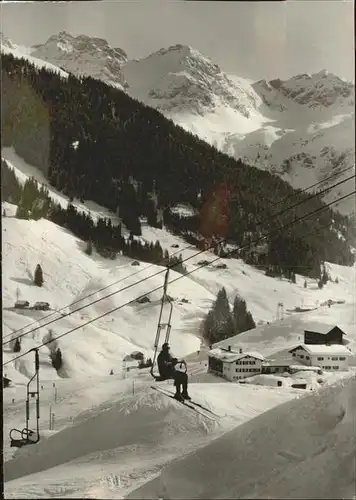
[[231, 356], [324, 349], [322, 328]]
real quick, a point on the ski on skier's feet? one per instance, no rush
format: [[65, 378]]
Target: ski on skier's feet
[[190, 403], [200, 406]]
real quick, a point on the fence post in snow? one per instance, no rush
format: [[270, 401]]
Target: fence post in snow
[[133, 387], [55, 395], [50, 418], [52, 421]]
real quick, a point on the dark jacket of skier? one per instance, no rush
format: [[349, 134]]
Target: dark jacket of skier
[[166, 363], [166, 366]]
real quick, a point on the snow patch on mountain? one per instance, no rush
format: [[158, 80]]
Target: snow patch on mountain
[[180, 79], [304, 156], [84, 55], [319, 95]]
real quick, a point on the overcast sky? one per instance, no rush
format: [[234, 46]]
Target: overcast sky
[[253, 40]]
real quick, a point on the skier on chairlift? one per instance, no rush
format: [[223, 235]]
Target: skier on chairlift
[[167, 370]]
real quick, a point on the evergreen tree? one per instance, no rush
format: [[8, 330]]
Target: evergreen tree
[[17, 345], [324, 277], [218, 324], [315, 271], [242, 319], [56, 358], [21, 211], [50, 341], [209, 332], [38, 278], [177, 264], [89, 248], [166, 257]]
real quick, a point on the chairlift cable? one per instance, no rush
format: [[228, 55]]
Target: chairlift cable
[[290, 224]]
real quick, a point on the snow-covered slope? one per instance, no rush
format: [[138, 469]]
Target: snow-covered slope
[[108, 440], [21, 52], [279, 336], [84, 55], [113, 434], [305, 155], [302, 449], [70, 275]]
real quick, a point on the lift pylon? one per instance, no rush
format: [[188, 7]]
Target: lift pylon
[[165, 326], [27, 436]]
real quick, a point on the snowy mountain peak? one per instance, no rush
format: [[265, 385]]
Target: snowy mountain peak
[[179, 79], [323, 73], [84, 55], [174, 48], [67, 43], [5, 42], [316, 91], [188, 57]]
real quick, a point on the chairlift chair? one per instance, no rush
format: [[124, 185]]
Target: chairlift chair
[[166, 300]]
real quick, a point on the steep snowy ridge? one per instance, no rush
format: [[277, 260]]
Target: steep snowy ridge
[[319, 90], [5, 42], [304, 156], [84, 55], [180, 79]]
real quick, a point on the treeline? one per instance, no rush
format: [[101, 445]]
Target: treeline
[[222, 323], [96, 143], [33, 202]]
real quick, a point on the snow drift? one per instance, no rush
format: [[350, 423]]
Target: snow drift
[[303, 449]]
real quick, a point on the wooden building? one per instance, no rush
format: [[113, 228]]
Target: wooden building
[[321, 334]]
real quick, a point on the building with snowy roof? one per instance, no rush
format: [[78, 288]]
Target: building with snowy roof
[[328, 357], [233, 365], [319, 333], [21, 304]]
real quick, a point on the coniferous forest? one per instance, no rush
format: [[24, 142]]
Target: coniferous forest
[[33, 202], [94, 142]]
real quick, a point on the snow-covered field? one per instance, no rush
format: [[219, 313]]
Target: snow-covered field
[[113, 434], [302, 449]]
